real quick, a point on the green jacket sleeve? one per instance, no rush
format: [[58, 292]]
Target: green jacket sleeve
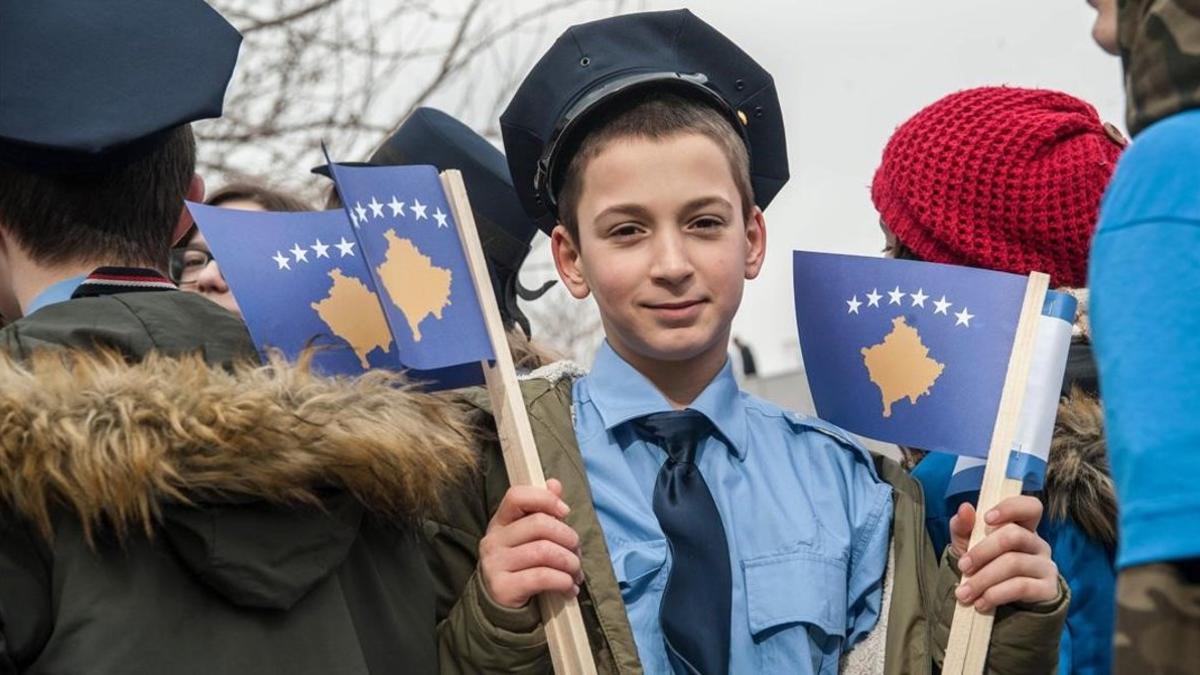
[[476, 635], [1024, 637]]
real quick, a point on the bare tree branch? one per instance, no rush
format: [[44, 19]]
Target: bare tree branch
[[262, 24], [349, 72]]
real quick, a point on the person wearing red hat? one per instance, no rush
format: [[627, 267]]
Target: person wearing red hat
[[1011, 179]]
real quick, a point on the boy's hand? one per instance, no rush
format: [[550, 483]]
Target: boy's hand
[[1012, 563], [528, 549]]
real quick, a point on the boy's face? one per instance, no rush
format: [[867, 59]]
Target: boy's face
[[664, 247]]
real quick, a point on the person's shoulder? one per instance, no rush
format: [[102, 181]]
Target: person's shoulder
[[62, 324], [1173, 136], [819, 439], [548, 391], [1156, 176], [1167, 146]]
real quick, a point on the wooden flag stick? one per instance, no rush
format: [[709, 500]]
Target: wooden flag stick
[[971, 630], [565, 631]]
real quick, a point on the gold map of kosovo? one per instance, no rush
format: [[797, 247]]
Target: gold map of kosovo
[[900, 366], [417, 287], [352, 312]]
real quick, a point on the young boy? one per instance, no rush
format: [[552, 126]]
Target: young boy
[[1046, 148], [704, 530], [166, 505]]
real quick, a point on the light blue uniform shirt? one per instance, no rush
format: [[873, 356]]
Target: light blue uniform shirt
[[58, 292], [806, 517]]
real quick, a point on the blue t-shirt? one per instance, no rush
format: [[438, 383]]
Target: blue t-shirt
[[1145, 282]]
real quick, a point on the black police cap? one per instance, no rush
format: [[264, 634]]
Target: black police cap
[[87, 85], [432, 137], [594, 64]]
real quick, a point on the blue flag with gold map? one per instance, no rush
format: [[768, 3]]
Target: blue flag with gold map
[[907, 352], [395, 293], [409, 239]]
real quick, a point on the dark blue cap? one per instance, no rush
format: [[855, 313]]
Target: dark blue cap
[[596, 63], [87, 85], [432, 137]]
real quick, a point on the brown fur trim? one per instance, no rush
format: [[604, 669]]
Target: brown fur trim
[[1078, 481], [113, 441]]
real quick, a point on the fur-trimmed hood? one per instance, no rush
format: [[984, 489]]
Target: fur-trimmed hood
[[260, 479], [115, 443], [1079, 483]]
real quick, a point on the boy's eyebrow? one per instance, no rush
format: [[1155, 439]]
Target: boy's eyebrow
[[639, 211], [630, 209], [701, 202]]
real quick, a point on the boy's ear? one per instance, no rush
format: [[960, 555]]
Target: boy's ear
[[195, 193], [568, 262], [756, 242]]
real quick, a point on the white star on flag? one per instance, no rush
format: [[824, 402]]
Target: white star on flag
[[321, 249], [418, 210], [964, 318], [284, 263], [440, 217], [301, 254], [919, 298], [896, 296], [873, 298], [940, 306], [362, 213], [854, 303], [397, 207], [376, 207], [346, 247], [353, 217]]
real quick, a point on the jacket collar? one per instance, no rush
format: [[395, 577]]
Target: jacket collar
[[113, 280], [621, 394]]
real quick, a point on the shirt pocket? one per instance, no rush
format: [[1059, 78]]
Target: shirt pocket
[[638, 567], [796, 606]]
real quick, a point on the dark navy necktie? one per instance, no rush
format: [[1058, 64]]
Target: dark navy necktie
[[696, 602]]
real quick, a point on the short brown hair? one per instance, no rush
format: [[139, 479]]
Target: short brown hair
[[653, 115], [124, 215], [249, 191]]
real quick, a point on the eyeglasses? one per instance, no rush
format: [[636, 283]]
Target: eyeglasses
[[187, 264]]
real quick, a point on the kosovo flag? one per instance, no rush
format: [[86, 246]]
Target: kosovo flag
[[398, 295], [917, 353], [300, 280], [410, 242]]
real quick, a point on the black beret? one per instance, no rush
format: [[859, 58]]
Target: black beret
[[86, 85], [593, 64]]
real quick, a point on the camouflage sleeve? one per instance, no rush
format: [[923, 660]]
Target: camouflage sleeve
[[1160, 50], [1158, 618]]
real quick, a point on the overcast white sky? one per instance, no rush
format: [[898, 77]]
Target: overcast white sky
[[848, 72]]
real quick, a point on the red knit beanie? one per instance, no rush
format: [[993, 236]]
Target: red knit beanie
[[1000, 178]]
